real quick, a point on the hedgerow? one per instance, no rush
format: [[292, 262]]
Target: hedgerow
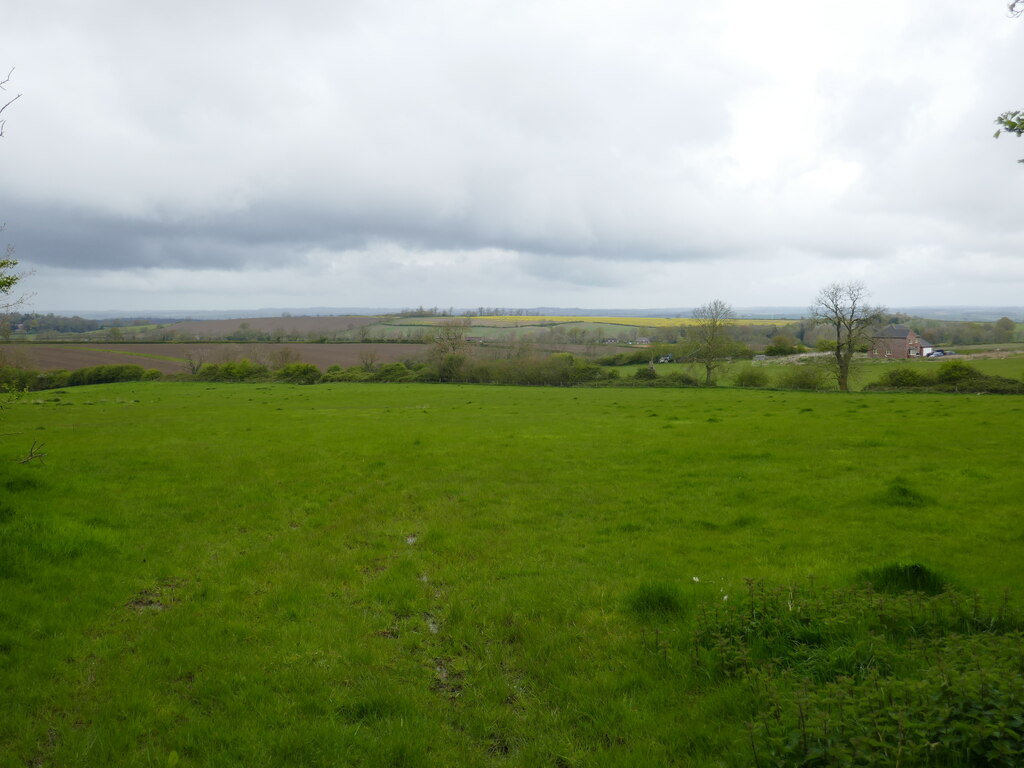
[[951, 376]]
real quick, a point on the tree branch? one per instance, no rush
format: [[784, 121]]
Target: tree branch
[[3, 87]]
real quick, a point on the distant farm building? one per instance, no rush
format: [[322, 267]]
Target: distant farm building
[[898, 342]]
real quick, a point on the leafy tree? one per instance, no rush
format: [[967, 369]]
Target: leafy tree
[[1004, 328], [781, 345], [1013, 120], [8, 279], [710, 343], [844, 308]]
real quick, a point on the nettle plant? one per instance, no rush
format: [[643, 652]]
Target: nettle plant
[[873, 675]]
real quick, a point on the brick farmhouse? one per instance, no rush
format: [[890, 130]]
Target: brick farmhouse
[[898, 341]]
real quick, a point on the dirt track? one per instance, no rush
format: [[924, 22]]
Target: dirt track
[[45, 357]]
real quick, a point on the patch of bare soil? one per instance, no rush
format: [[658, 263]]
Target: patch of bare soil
[[156, 599]]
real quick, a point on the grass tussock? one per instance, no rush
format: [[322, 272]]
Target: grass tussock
[[895, 578], [656, 601], [900, 493]]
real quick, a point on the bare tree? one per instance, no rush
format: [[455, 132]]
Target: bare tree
[[448, 347], [450, 337], [844, 308], [282, 356], [194, 359], [8, 277], [3, 87], [711, 345], [369, 358]]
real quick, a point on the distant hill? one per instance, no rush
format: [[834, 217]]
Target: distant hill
[[972, 313]]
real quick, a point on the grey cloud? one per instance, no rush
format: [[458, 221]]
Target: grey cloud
[[598, 142]]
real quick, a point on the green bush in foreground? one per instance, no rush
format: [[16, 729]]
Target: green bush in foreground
[[856, 677]]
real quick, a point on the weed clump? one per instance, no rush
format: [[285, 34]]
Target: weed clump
[[858, 677], [653, 601], [900, 494], [16, 484], [896, 578]]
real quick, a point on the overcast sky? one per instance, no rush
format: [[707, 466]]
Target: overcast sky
[[588, 153]]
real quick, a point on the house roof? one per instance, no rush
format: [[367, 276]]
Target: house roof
[[893, 332]]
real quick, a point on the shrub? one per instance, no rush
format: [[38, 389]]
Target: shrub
[[902, 378], [52, 379], [782, 345], [951, 376], [336, 373], [807, 377], [18, 378], [392, 372], [647, 373], [233, 370], [751, 377], [104, 374], [679, 379], [298, 373], [558, 370], [636, 357], [956, 371], [151, 374]]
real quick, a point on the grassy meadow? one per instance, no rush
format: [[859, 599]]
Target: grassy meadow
[[430, 575]]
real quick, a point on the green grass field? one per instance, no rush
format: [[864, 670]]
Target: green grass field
[[433, 575]]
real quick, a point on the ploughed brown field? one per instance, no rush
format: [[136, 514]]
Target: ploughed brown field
[[292, 326], [46, 357]]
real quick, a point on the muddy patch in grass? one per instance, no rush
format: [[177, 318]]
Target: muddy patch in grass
[[156, 599]]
